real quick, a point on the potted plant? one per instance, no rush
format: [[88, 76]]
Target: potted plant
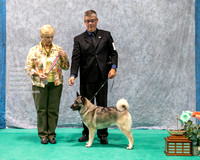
[[193, 133], [184, 118], [177, 144]]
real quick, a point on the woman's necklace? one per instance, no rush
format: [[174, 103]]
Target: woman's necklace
[[46, 49]]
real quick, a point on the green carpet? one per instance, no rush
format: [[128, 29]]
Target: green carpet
[[24, 144]]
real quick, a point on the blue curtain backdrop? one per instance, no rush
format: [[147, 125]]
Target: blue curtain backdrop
[[2, 62], [197, 52]]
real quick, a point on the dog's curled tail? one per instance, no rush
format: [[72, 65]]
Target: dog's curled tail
[[122, 105]]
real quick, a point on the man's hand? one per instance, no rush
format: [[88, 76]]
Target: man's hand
[[112, 73], [71, 80]]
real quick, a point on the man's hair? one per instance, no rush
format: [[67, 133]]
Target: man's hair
[[89, 13], [46, 29]]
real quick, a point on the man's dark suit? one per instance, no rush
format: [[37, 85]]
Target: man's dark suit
[[95, 63]]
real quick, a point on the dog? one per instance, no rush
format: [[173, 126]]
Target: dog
[[97, 117]]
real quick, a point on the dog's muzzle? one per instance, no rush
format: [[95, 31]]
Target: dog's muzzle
[[72, 107]]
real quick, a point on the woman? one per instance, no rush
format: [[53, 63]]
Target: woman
[[43, 65]]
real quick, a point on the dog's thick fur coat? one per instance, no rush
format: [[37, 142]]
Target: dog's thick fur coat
[[96, 117]]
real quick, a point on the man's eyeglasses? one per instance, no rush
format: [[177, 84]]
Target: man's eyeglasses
[[88, 21]]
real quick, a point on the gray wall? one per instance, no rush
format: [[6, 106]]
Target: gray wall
[[155, 42]]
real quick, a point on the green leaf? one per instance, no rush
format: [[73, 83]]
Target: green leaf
[[189, 122], [193, 138], [190, 128], [189, 135], [195, 130], [194, 143]]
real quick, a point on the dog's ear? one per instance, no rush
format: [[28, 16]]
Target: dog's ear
[[83, 99], [77, 94]]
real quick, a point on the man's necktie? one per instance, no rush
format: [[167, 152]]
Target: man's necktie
[[93, 38]]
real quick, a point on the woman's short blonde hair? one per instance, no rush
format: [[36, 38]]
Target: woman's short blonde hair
[[46, 29]]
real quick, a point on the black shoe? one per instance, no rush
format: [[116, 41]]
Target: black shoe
[[44, 141], [52, 140], [83, 138], [103, 140]]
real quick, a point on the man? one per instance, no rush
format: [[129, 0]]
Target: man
[[95, 54]]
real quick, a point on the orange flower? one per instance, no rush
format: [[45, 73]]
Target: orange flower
[[198, 117], [194, 114]]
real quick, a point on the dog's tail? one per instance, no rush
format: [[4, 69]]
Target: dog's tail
[[122, 105]]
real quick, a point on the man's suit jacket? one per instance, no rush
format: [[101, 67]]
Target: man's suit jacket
[[90, 58]]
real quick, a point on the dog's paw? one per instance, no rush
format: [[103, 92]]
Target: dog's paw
[[87, 145], [129, 147]]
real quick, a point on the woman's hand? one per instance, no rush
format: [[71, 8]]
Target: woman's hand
[[62, 54], [42, 76]]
